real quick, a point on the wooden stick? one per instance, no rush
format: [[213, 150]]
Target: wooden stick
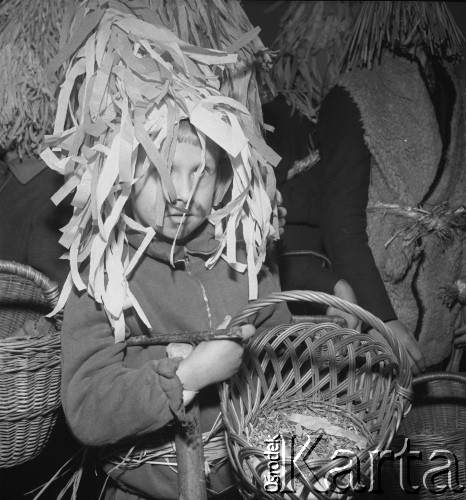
[[189, 442], [190, 456], [234, 333]]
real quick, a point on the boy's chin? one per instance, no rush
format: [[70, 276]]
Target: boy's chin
[[185, 233]]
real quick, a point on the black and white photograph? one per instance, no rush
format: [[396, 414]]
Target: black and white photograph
[[232, 250]]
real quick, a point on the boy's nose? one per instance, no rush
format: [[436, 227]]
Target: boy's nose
[[183, 185]]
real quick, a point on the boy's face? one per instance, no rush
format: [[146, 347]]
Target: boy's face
[[186, 161]]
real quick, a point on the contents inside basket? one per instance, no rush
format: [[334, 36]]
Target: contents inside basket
[[32, 328], [315, 431]]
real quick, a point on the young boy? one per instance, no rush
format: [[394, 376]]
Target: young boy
[[149, 272], [111, 392]]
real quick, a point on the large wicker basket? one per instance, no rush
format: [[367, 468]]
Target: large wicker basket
[[435, 427], [338, 371], [29, 366]]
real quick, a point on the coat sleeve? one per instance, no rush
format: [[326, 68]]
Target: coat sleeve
[[105, 401], [345, 163]]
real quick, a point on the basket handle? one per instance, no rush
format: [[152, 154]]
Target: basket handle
[[49, 287], [328, 300], [430, 377]]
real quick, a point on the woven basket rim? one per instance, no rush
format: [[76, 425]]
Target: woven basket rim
[[405, 375]]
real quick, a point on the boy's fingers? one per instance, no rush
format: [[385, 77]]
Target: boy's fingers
[[248, 331], [179, 350]]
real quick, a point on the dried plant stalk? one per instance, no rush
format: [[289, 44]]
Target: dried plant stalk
[[406, 25]]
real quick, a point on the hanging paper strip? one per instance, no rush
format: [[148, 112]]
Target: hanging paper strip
[[128, 83]]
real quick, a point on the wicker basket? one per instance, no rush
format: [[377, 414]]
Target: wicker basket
[[338, 371], [436, 422], [29, 366]]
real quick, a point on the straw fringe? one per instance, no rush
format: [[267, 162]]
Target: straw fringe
[[214, 449]]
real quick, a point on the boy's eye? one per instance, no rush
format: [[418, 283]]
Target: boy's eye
[[207, 171]]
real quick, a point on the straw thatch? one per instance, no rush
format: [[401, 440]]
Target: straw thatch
[[311, 42], [30, 33], [29, 39], [320, 40], [404, 26]]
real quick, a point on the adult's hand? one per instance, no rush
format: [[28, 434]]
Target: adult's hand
[[459, 336], [281, 213], [344, 291], [213, 361], [416, 358]]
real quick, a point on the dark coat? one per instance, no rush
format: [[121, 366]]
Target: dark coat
[[111, 392]]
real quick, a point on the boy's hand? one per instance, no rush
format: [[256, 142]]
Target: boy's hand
[[213, 361]]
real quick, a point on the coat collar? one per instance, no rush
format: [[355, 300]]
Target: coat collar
[[202, 242]]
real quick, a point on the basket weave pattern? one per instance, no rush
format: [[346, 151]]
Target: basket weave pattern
[[435, 422], [29, 366], [333, 368]]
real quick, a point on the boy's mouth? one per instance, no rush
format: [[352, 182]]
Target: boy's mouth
[[178, 215]]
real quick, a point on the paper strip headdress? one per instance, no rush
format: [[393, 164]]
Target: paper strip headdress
[[31, 33], [128, 84]]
